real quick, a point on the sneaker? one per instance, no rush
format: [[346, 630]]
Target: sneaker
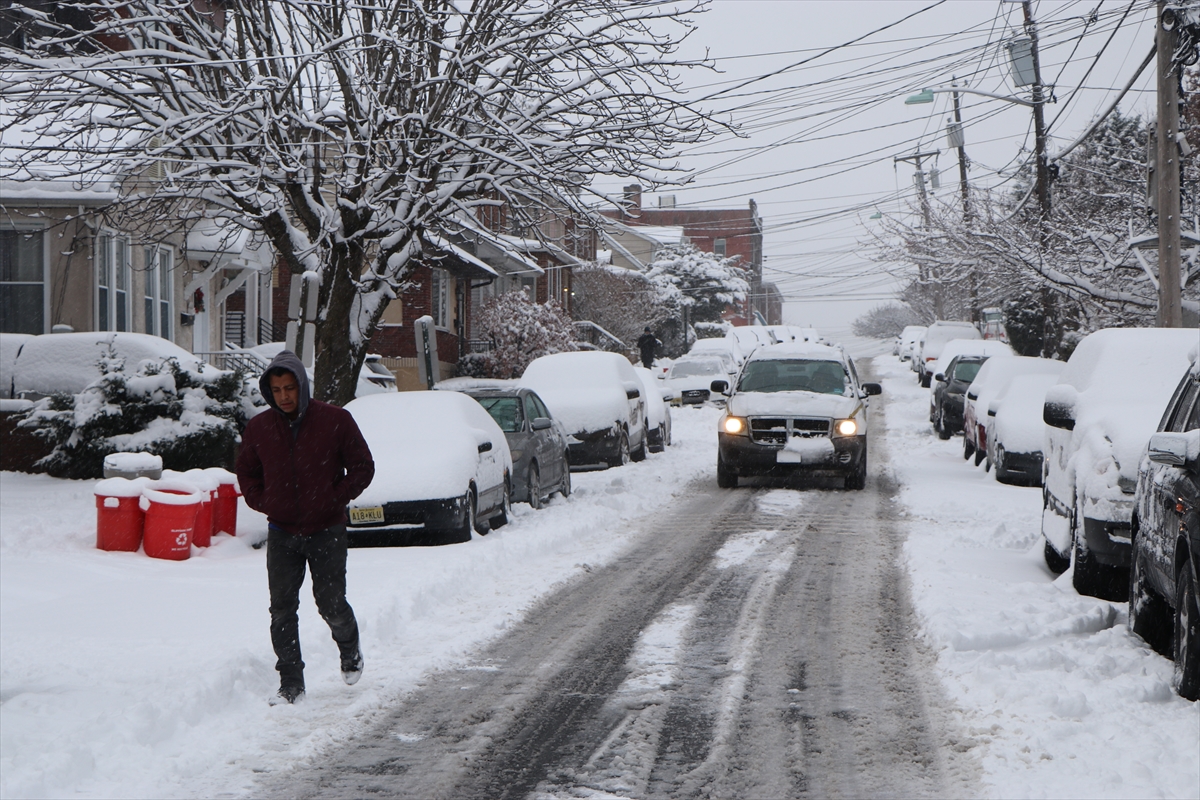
[[286, 695], [352, 667]]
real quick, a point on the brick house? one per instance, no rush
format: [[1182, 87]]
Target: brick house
[[726, 232]]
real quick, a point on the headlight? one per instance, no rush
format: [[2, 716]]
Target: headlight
[[734, 425], [846, 427]]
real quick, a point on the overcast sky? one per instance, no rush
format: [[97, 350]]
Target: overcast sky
[[820, 138]]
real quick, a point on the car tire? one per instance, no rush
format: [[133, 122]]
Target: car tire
[[564, 486], [1149, 614], [925, 379], [980, 455], [462, 533], [501, 517], [640, 453], [857, 480], [621, 457], [726, 479], [662, 439], [968, 448], [939, 425], [1090, 577], [1186, 675], [534, 482], [1055, 562]]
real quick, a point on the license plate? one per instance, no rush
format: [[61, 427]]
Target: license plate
[[363, 516]]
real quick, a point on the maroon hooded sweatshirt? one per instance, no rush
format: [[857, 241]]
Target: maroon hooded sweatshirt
[[302, 473]]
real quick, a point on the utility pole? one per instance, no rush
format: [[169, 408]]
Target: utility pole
[[933, 279], [960, 143], [1170, 310], [1042, 174]]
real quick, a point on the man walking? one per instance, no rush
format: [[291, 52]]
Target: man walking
[[301, 463], [647, 344]]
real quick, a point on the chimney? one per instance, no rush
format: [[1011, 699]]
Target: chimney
[[633, 200]]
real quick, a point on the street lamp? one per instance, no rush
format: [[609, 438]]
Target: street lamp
[[926, 96]]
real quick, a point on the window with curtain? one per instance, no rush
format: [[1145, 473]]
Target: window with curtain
[[113, 282], [159, 261]]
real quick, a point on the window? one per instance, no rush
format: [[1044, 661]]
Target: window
[[441, 298], [719, 247], [159, 261], [112, 283], [22, 282]]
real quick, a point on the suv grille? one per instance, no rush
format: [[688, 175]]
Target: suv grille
[[776, 430]]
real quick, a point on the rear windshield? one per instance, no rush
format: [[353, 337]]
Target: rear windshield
[[691, 369], [793, 375], [967, 370], [505, 410]]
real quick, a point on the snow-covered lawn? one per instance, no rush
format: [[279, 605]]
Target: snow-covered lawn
[[122, 676]]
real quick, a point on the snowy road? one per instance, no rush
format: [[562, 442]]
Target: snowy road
[[754, 643]]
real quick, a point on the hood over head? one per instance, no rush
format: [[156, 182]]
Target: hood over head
[[289, 361]]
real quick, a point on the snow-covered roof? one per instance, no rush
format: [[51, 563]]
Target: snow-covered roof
[[445, 244], [494, 248], [659, 234], [228, 245]]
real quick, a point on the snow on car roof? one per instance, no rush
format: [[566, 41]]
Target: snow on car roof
[[425, 444], [809, 350], [970, 347]]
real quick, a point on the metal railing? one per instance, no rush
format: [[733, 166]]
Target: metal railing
[[250, 363]]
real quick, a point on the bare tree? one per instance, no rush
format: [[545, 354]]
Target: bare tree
[[884, 321], [348, 131]]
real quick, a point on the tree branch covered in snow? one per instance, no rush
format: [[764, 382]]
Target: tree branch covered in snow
[[344, 131]]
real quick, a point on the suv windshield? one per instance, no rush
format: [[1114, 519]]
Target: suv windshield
[[793, 375], [505, 410]]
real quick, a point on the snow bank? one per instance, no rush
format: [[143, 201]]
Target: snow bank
[[125, 676], [1056, 699]]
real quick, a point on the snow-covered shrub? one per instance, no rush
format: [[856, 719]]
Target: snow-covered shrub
[[711, 330], [520, 330], [188, 418]]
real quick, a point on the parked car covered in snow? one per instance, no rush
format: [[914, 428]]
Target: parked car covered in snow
[[949, 391], [910, 340], [934, 340], [537, 442], [10, 345], [1013, 431], [1099, 417], [441, 461], [725, 348], [689, 379], [1164, 572], [598, 399], [795, 408], [68, 362], [992, 379], [658, 412]]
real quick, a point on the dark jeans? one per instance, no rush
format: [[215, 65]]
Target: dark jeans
[[648, 359], [324, 553]]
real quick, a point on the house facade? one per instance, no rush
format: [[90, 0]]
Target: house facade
[[725, 232]]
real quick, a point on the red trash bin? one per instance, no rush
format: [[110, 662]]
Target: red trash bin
[[205, 518], [171, 508], [119, 517], [225, 505]]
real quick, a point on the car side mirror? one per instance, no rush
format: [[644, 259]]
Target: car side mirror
[[719, 387], [872, 389], [668, 394], [540, 423], [1058, 411], [632, 394], [1171, 448], [485, 447], [940, 377]]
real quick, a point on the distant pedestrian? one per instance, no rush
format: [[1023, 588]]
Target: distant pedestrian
[[301, 463], [647, 344]]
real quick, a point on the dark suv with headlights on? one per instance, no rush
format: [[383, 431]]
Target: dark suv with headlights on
[[1164, 574], [796, 408]]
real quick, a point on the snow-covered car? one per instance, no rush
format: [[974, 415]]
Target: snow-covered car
[[725, 348], [956, 348], [949, 392], [689, 379], [752, 337], [910, 339], [991, 380], [934, 340], [658, 413], [373, 378], [1164, 571], [598, 399], [441, 461], [536, 442], [794, 333], [795, 408], [68, 362], [1099, 417], [1013, 430]]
